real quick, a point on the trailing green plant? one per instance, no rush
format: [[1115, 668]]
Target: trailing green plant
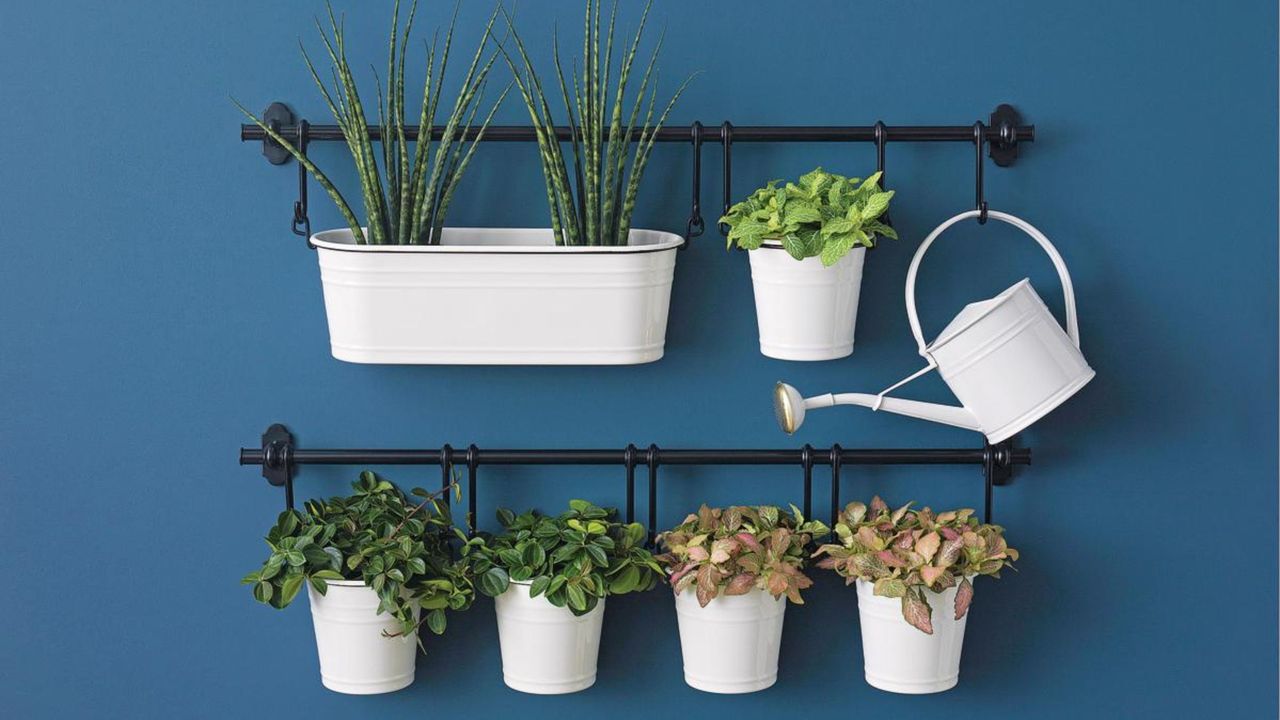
[[733, 550], [399, 547], [573, 559], [410, 208], [603, 131], [905, 552], [824, 216]]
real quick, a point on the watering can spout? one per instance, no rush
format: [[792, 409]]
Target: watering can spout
[[790, 406]]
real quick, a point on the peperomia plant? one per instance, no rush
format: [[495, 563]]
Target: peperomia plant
[[825, 216], [573, 559], [906, 552], [397, 546], [410, 208], [736, 549]]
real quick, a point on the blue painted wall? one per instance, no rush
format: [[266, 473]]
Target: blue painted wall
[[155, 315]]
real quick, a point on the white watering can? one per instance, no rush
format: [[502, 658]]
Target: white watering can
[[1006, 359]]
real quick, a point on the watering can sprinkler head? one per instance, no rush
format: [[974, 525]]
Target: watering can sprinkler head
[[788, 406]]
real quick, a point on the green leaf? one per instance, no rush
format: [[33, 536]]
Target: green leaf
[[795, 247], [262, 592], [539, 585], [576, 597], [436, 621], [890, 587], [494, 582]]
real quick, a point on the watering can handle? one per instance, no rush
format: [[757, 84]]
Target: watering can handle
[[1073, 330]]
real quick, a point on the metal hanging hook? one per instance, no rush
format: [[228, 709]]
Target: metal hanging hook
[[302, 223], [979, 140], [651, 458], [882, 137], [726, 138], [695, 226], [629, 460]]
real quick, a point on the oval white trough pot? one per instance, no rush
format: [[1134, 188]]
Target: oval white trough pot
[[805, 311], [900, 658], [497, 296], [731, 645], [355, 656], [546, 650]]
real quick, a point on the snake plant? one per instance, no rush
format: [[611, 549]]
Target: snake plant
[[410, 208], [600, 211]]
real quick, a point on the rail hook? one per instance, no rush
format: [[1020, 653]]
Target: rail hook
[[695, 226], [726, 138], [979, 140], [651, 458], [629, 460], [882, 136], [806, 462], [473, 460], [302, 223]]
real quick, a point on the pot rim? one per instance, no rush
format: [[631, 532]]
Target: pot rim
[[666, 242]]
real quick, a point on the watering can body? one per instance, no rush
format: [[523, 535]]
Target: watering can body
[[1006, 359]]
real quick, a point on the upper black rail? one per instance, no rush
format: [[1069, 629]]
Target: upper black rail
[[999, 138], [279, 459]]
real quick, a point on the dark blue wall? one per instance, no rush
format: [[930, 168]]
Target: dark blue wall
[[156, 315]]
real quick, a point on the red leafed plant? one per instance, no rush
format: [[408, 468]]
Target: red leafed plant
[[733, 550], [905, 552]]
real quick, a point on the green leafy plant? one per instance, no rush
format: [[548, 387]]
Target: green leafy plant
[[825, 216], [734, 550], [397, 546], [600, 213], [574, 559], [410, 208], [905, 552]]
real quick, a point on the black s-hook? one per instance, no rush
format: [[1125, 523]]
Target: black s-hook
[[979, 140]]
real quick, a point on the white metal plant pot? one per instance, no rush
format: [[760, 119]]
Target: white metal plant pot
[[497, 296], [356, 657], [731, 645], [546, 650], [1006, 359], [897, 656], [805, 311]]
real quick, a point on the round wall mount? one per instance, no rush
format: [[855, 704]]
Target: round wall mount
[[1006, 120], [277, 115]]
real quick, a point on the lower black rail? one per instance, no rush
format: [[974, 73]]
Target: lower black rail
[[280, 459]]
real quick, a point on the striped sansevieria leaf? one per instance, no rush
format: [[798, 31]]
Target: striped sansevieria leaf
[[408, 186], [594, 206]]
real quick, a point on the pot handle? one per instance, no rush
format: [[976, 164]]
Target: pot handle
[[1073, 330]]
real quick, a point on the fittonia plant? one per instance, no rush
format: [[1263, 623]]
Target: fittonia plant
[[410, 207], [905, 552], [733, 550], [824, 216]]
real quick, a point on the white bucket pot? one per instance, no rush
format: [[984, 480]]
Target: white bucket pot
[[355, 656], [546, 650], [731, 645], [900, 658], [497, 297], [805, 311]]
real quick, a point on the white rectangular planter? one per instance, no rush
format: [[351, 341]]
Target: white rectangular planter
[[497, 296]]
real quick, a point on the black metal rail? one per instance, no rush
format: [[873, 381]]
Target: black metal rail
[[1001, 136], [279, 459]]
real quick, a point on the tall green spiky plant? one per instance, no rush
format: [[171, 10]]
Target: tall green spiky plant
[[606, 182], [410, 208]]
